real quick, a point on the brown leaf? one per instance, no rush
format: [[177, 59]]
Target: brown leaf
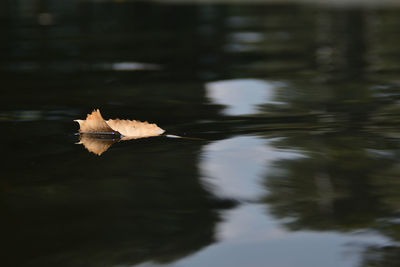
[[128, 129], [97, 135], [131, 129], [94, 124]]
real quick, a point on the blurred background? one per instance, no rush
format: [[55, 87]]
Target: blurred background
[[295, 105]]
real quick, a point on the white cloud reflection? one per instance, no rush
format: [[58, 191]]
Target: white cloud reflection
[[235, 167], [250, 237], [248, 234], [132, 66], [242, 96]]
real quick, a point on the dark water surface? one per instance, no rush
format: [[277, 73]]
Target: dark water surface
[[297, 109]]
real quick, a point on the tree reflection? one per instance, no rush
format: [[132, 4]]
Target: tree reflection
[[381, 256], [142, 203], [347, 182], [333, 187]]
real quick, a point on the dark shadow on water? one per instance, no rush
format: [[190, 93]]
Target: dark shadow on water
[[139, 202]]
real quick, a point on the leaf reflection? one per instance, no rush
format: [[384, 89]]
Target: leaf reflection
[[97, 144]]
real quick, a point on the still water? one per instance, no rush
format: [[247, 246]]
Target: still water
[[293, 110]]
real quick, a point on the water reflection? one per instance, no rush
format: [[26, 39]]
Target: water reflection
[[242, 97], [317, 152], [96, 144], [233, 167], [36, 115], [66, 207], [131, 66], [340, 186], [249, 237]]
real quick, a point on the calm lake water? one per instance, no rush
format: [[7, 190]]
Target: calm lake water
[[295, 109]]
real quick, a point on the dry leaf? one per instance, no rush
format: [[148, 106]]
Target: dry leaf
[[95, 126], [131, 129], [128, 129]]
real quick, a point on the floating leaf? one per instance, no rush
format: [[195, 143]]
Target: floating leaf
[[94, 124], [97, 134], [131, 129]]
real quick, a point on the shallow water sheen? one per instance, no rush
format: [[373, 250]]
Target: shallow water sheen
[[290, 122]]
